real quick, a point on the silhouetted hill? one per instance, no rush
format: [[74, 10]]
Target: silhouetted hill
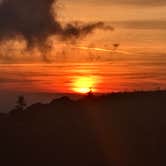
[[121, 129]]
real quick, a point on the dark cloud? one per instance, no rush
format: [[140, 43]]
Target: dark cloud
[[35, 20], [32, 19], [78, 30]]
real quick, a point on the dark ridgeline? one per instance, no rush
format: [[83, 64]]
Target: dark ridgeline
[[124, 129]]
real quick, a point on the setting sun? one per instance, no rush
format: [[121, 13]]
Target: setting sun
[[84, 85]]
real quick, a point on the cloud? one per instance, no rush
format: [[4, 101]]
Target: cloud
[[32, 19], [77, 30], [36, 20]]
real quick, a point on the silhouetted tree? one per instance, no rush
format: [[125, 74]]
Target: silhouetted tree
[[20, 103], [90, 93]]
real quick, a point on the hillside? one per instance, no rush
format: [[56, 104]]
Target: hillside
[[123, 129]]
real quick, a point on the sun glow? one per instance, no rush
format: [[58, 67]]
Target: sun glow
[[84, 85]]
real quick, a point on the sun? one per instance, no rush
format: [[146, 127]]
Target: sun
[[83, 85], [83, 90]]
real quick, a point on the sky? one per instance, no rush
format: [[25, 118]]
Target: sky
[[115, 10], [72, 24], [116, 45], [137, 23]]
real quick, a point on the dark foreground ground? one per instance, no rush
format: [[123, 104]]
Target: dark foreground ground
[[125, 129]]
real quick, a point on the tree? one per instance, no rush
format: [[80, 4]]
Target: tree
[[90, 93], [20, 106], [20, 103]]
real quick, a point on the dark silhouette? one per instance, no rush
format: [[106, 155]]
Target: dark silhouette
[[120, 129], [90, 93], [20, 105]]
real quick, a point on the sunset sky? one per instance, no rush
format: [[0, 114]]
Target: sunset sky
[[116, 45], [137, 25], [137, 22], [115, 10]]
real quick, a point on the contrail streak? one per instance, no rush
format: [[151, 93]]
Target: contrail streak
[[101, 49], [95, 49]]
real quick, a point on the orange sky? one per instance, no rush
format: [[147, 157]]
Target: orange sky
[[137, 23], [113, 10], [138, 62], [139, 27]]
